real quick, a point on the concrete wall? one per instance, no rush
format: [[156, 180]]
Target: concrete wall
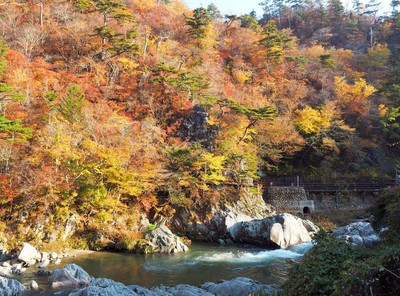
[[291, 199], [343, 200]]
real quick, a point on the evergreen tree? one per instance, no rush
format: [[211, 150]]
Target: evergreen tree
[[3, 52], [110, 9], [358, 7], [249, 21], [273, 42], [71, 108], [198, 23], [13, 130], [336, 9], [395, 4], [214, 12]]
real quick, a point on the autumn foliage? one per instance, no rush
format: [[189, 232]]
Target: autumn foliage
[[114, 109]]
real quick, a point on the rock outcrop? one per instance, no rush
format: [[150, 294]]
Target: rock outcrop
[[161, 240], [238, 287], [358, 234], [249, 221], [11, 287], [235, 287], [71, 276], [282, 231], [180, 290], [102, 286], [214, 226]]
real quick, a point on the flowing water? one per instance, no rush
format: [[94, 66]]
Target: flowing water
[[203, 263]]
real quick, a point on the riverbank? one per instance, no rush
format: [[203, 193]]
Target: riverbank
[[203, 263]]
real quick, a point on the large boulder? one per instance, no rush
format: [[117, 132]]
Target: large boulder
[[180, 290], [71, 276], [28, 254], [11, 287], [238, 287], [162, 240], [142, 291], [248, 221], [102, 286], [358, 234], [213, 226], [280, 231]]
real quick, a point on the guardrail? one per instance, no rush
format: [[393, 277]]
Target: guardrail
[[351, 187]]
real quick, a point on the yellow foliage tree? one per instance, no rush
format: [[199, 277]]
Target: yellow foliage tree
[[352, 98], [312, 121]]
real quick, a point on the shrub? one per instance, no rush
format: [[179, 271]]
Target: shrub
[[320, 268], [333, 268]]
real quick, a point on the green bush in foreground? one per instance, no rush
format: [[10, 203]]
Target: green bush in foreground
[[320, 267]]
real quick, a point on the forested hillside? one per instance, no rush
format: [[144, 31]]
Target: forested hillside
[[113, 108]]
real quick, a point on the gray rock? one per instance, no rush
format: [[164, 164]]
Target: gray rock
[[44, 263], [18, 269], [57, 261], [53, 256], [356, 239], [44, 256], [358, 234], [44, 272], [159, 291], [282, 231], [106, 287], [11, 287], [33, 285], [371, 240], [235, 287], [187, 290], [4, 254], [28, 254], [142, 291], [6, 271], [69, 227], [238, 287], [309, 226], [71, 276], [223, 216], [162, 240]]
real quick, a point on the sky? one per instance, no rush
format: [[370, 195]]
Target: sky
[[238, 7], [241, 7]]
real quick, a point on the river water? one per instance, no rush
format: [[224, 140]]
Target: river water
[[203, 263]]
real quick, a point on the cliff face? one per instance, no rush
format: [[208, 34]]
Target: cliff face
[[195, 128], [249, 220]]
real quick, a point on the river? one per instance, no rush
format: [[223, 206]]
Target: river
[[203, 263]]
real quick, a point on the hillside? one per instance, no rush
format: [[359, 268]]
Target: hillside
[[114, 109]]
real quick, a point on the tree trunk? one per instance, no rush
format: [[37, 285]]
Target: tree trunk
[[41, 13]]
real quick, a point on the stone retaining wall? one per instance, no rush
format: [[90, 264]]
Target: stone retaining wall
[[344, 200], [285, 198], [289, 199]]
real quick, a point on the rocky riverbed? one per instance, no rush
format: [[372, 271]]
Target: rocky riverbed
[[74, 281]]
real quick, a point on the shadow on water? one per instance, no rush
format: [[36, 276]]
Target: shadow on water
[[203, 263]]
